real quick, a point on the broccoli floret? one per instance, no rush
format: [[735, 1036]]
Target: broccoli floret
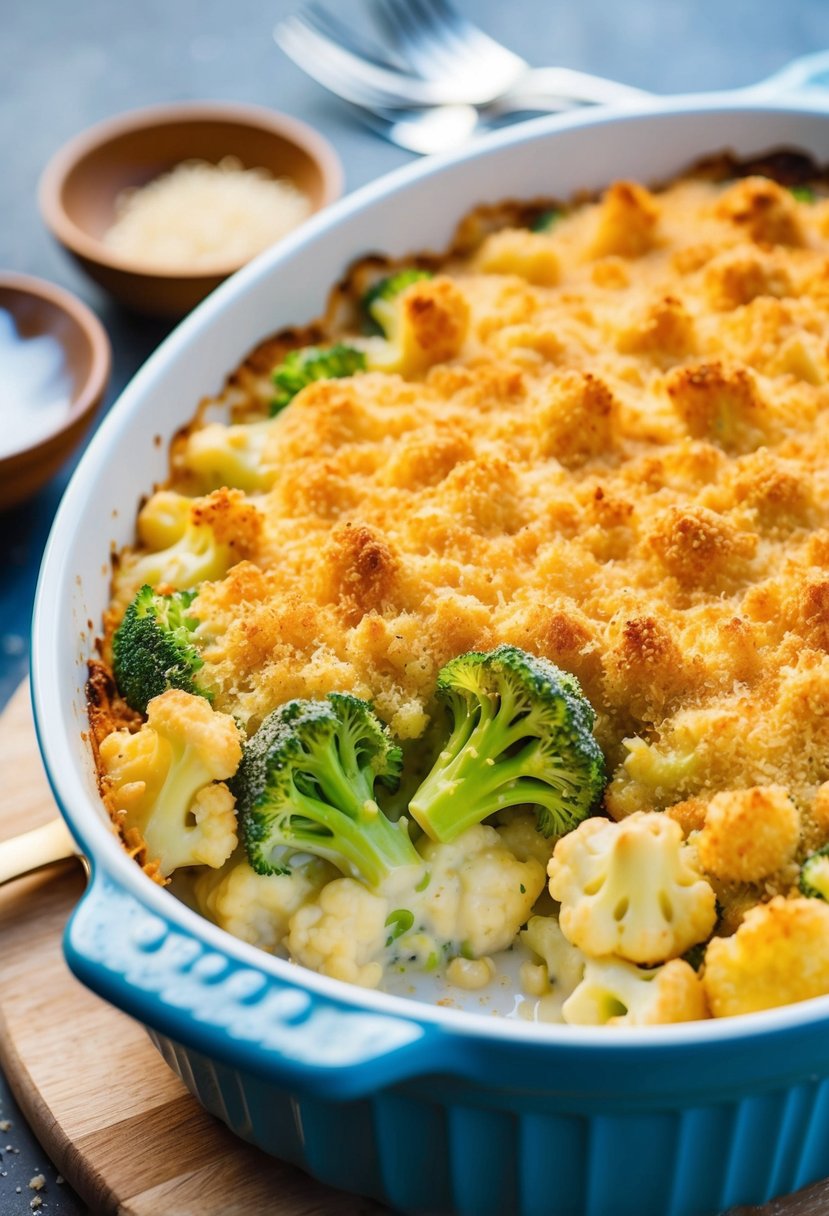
[[814, 874], [301, 367], [378, 301], [547, 220], [153, 648], [521, 733], [803, 194], [306, 784]]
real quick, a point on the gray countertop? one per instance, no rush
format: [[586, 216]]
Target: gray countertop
[[65, 66]]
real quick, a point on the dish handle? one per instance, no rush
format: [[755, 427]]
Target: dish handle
[[304, 1040], [806, 74]]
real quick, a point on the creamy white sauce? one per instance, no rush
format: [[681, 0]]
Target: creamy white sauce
[[35, 386], [502, 997]]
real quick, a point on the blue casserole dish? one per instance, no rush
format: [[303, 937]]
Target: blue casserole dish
[[430, 1110]]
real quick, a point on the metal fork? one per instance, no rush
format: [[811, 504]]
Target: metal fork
[[426, 130], [359, 79], [363, 74], [446, 49], [311, 40]]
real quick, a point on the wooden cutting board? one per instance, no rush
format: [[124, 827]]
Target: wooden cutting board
[[120, 1127], [117, 1123]]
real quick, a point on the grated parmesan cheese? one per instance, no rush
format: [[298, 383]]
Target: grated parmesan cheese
[[200, 214]]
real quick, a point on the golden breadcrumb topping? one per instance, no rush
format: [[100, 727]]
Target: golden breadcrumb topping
[[779, 955], [606, 443], [749, 834], [623, 467]]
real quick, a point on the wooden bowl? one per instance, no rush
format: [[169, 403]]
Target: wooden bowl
[[81, 183], [39, 308]]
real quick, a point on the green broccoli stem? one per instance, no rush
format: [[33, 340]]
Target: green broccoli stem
[[457, 796], [814, 875], [469, 782], [370, 844], [349, 815]]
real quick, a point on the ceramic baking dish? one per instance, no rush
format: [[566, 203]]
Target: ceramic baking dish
[[431, 1110]]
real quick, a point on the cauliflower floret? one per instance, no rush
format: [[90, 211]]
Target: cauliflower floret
[[479, 893], [748, 834], [191, 540], [719, 404], [530, 255], [214, 811], [626, 222], [577, 417], [762, 209], [159, 782], [232, 456], [563, 961], [163, 519], [819, 812], [650, 778], [425, 324], [615, 993], [342, 934], [519, 833], [631, 889], [779, 955], [258, 907]]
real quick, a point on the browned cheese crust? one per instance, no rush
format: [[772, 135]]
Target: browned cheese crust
[[623, 465]]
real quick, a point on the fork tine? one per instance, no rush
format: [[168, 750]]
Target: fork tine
[[448, 25], [330, 26], [441, 31], [312, 53], [369, 83], [445, 23], [440, 43], [355, 78], [482, 72], [421, 39]]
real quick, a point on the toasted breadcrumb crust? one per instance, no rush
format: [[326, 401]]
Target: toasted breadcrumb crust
[[779, 955], [749, 834], [618, 458]]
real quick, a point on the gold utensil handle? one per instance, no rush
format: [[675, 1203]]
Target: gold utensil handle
[[33, 850]]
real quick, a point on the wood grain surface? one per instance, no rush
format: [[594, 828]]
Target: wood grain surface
[[118, 1124], [115, 1120]]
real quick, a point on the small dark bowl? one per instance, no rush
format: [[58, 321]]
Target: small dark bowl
[[81, 183], [40, 308]]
